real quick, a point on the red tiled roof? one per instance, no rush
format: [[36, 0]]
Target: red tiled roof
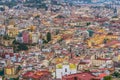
[[87, 57], [102, 75], [84, 63], [28, 74], [104, 59], [35, 75], [113, 43], [81, 76]]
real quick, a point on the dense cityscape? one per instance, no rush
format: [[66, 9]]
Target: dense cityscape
[[59, 39]]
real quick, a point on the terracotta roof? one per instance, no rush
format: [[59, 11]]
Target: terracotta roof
[[102, 75], [115, 42], [103, 59], [81, 76], [35, 75], [28, 74]]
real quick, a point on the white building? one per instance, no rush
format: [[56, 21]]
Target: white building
[[2, 30], [65, 70], [19, 39], [46, 50], [3, 62], [35, 38]]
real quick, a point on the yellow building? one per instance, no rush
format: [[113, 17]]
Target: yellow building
[[111, 37], [118, 57], [98, 39], [10, 70], [7, 42], [71, 65], [12, 31]]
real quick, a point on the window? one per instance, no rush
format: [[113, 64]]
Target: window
[[65, 70]]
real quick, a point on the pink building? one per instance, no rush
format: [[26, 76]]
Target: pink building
[[25, 36]]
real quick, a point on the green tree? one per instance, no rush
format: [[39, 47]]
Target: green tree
[[2, 72], [116, 74], [15, 42], [105, 41], [91, 32], [60, 16], [3, 77], [88, 23], [19, 68], [44, 41], [16, 78], [36, 17], [57, 32], [22, 47], [48, 36], [107, 78], [6, 37]]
